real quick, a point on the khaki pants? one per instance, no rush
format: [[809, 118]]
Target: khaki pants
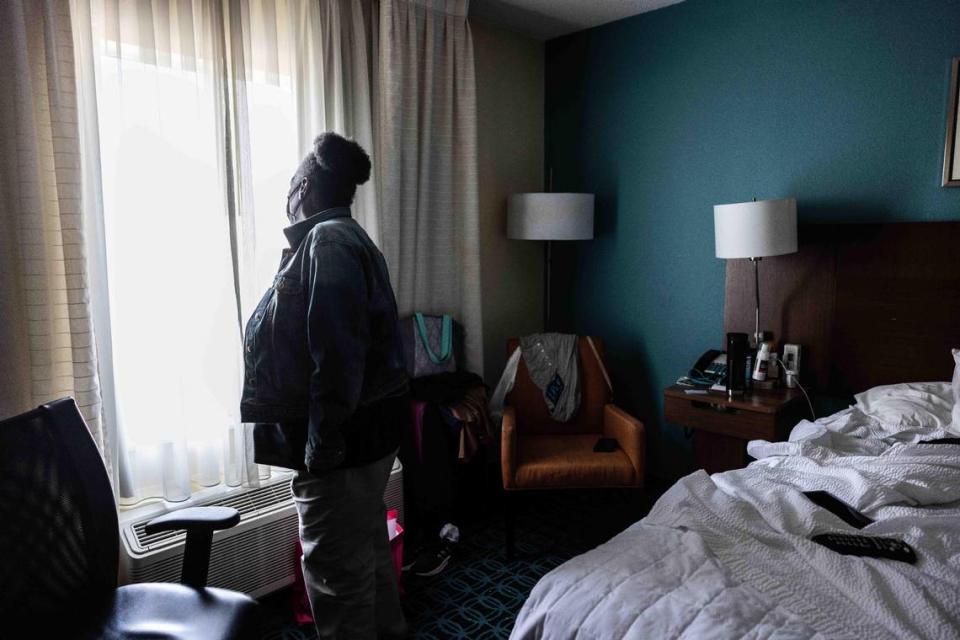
[[347, 565]]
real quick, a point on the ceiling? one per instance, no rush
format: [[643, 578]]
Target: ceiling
[[545, 19]]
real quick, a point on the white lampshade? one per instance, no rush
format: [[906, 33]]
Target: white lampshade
[[755, 229], [550, 216]]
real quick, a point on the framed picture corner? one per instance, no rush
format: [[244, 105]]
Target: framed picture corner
[[951, 152]]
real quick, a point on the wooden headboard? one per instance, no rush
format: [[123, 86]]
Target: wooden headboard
[[870, 304]]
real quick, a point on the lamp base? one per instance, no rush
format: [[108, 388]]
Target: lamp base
[[547, 264]]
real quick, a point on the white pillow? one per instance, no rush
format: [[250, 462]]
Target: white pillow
[[910, 404]]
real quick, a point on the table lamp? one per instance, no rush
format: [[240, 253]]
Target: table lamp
[[550, 216], [756, 230]]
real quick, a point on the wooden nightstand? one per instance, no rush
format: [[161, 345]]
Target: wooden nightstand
[[723, 427]]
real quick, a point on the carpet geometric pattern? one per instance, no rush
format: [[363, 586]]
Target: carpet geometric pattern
[[480, 593]]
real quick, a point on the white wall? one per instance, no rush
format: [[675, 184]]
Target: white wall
[[510, 82]]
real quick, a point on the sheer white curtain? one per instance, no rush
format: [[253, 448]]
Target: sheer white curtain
[[47, 349], [427, 161], [301, 68], [153, 80], [196, 113]]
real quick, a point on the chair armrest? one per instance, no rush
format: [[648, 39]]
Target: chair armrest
[[629, 433], [199, 523], [201, 518], [508, 446]]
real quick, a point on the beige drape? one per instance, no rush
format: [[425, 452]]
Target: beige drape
[[427, 161], [47, 349]]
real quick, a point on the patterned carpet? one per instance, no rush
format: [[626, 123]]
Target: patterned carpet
[[480, 593]]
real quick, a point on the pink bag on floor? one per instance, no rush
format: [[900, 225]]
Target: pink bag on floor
[[302, 613], [301, 603], [395, 531]]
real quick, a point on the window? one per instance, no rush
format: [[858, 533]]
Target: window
[[183, 270], [202, 111]]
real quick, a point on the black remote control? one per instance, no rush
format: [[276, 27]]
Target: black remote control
[[851, 545], [838, 508]]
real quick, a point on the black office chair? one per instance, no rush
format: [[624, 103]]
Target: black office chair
[[60, 543]]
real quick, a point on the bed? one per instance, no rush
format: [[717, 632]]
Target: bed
[[730, 555]]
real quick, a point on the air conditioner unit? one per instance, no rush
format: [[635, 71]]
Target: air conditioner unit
[[256, 557]]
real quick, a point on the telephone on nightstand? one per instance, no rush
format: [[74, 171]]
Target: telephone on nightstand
[[708, 370]]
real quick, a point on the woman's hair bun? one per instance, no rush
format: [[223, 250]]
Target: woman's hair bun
[[342, 156]]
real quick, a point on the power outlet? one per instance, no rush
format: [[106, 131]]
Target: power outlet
[[791, 357]]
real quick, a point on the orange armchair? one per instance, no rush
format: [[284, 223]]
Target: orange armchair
[[538, 452]]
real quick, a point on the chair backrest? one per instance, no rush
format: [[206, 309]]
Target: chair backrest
[[59, 536], [533, 417]]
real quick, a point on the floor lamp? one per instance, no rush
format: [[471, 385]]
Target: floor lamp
[[550, 216], [756, 230]]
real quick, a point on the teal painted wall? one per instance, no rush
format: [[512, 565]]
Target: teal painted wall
[[841, 104]]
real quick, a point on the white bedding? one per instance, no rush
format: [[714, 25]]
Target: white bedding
[[729, 555]]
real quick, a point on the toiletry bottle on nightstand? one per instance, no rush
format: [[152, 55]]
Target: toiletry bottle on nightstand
[[761, 365]]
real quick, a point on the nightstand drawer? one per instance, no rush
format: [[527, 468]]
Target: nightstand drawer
[[719, 418], [723, 426]]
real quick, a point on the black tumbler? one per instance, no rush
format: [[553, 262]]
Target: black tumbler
[[737, 351]]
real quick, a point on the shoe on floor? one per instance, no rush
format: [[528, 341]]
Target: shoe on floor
[[432, 561]]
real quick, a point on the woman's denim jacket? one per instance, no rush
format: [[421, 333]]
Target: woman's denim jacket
[[323, 342]]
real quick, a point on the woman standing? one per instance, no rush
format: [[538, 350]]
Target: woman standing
[[326, 385]]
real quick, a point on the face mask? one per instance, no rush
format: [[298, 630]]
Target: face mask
[[294, 200]]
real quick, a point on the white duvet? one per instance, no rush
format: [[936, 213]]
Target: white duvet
[[729, 555]]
